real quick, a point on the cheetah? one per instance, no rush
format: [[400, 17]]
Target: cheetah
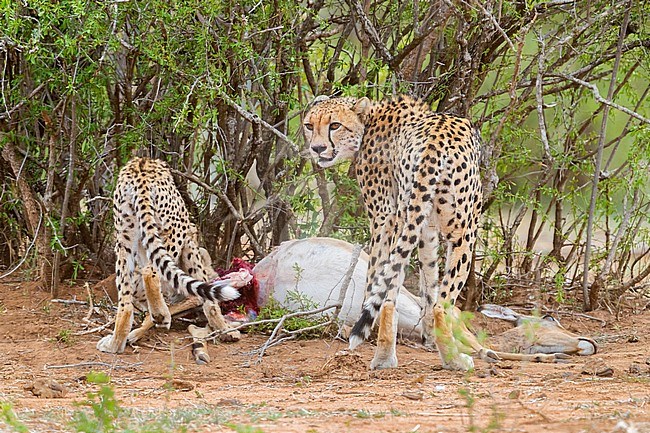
[[419, 176], [156, 251]]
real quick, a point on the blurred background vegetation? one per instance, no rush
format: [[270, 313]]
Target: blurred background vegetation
[[559, 89]]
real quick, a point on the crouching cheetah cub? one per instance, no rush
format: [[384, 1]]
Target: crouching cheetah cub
[[418, 172], [156, 250]]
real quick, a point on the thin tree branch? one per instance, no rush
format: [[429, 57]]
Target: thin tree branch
[[7, 114], [599, 98], [370, 30], [590, 294], [254, 118], [256, 246]]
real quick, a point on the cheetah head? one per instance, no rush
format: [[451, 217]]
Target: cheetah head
[[334, 128]]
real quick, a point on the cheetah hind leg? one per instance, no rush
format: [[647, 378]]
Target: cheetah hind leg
[[385, 354], [158, 309], [116, 342]]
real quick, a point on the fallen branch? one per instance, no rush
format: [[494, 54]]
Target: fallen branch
[[97, 329], [91, 305], [276, 336], [93, 364], [356, 252], [217, 333], [69, 302]]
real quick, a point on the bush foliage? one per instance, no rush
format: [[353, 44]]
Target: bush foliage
[[559, 89]]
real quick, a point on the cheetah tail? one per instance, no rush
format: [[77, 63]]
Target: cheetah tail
[[361, 330], [219, 290], [160, 258]]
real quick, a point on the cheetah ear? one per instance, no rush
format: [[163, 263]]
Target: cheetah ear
[[362, 106], [320, 98]]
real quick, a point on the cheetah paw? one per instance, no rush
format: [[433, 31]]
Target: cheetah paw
[[381, 362], [135, 335], [161, 319], [109, 345]]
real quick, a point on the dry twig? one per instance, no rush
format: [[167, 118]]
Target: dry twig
[[277, 337], [97, 329], [356, 252], [91, 305], [69, 302], [94, 364]]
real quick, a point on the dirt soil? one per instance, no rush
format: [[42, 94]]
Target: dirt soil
[[305, 386]]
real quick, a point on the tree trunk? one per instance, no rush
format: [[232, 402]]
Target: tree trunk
[[34, 216]]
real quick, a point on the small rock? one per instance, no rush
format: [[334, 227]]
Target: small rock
[[178, 385], [635, 368], [597, 369], [631, 427], [503, 365], [418, 380], [228, 402], [47, 388], [490, 372], [514, 394], [414, 395], [633, 338]]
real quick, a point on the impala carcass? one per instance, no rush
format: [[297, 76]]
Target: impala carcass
[[315, 269]]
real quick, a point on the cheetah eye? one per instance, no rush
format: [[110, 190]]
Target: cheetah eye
[[334, 126], [309, 127]]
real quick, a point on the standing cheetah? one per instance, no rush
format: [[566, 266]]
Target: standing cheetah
[[156, 249], [418, 172]]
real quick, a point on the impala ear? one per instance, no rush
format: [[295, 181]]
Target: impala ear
[[320, 98], [361, 106]]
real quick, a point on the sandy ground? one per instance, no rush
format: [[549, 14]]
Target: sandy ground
[[304, 386]]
